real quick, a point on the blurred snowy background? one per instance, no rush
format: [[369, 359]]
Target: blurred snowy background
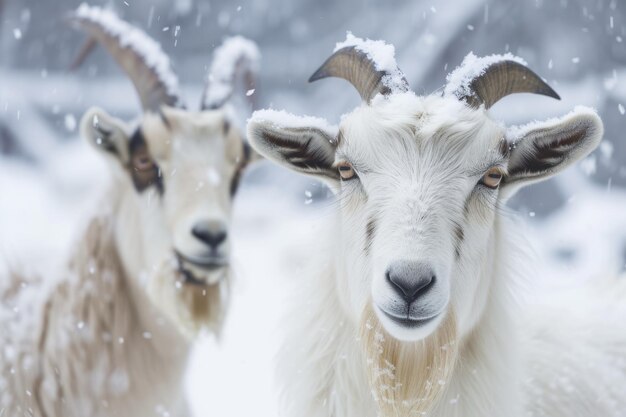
[[49, 179]]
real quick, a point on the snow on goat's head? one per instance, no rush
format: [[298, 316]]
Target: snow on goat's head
[[420, 181], [180, 167]]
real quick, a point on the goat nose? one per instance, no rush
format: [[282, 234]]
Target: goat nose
[[410, 279], [210, 232]]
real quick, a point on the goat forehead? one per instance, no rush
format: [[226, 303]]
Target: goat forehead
[[419, 153], [197, 176], [195, 153], [202, 128], [192, 146], [410, 131], [184, 120], [175, 126]]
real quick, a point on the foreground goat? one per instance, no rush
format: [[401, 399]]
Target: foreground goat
[[413, 314], [112, 337]]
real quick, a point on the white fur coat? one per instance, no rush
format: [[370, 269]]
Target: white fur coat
[[551, 355], [76, 346]]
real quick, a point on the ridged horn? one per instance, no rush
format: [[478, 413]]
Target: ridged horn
[[501, 79], [141, 58], [235, 66], [356, 67]]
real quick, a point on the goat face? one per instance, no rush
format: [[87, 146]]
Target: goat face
[[420, 181], [181, 169], [415, 207], [200, 156]]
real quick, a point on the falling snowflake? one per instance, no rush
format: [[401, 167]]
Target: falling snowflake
[[70, 122]]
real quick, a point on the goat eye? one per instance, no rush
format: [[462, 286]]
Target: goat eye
[[143, 162], [346, 172], [492, 178]]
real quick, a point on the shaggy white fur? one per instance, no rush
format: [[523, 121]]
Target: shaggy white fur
[[88, 343], [322, 360], [424, 181], [532, 354], [110, 334]]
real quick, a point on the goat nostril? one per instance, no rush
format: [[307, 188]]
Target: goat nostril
[[219, 237], [410, 279], [429, 283], [211, 236]]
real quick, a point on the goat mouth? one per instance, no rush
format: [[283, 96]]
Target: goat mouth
[[209, 263], [189, 277], [407, 321]]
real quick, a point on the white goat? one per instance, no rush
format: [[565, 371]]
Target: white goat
[[414, 312], [111, 337]]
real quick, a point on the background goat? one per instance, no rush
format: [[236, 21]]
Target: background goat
[[112, 335], [413, 313]]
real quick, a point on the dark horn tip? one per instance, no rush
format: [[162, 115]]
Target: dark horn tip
[[322, 71], [318, 75], [546, 90], [551, 93]]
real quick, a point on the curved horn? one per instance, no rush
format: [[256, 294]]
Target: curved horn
[[235, 66], [140, 57], [359, 69], [500, 79]]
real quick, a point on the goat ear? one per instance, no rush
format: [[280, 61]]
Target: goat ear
[[106, 133], [301, 144], [542, 150]]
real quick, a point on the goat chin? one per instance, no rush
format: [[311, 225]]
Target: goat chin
[[192, 308], [407, 378]]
